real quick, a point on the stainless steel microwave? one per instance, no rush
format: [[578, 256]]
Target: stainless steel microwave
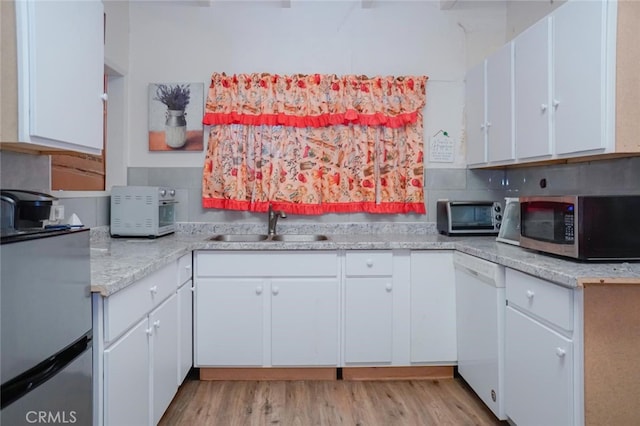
[[468, 217], [582, 227], [142, 211]]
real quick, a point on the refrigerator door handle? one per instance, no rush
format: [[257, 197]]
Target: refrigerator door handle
[[21, 385]]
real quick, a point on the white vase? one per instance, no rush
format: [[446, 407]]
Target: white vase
[[175, 131]]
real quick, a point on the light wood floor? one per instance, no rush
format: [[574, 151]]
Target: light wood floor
[[306, 403]]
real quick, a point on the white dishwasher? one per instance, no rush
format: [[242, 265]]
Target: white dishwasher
[[480, 310]]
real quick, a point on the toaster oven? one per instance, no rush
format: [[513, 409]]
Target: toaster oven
[[468, 217], [142, 211]]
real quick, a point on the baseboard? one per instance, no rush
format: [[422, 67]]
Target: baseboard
[[398, 373], [329, 373]]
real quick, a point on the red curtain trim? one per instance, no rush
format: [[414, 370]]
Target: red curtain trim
[[323, 120], [314, 209]]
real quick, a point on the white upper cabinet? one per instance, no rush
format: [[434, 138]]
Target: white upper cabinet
[[560, 84], [500, 105], [532, 90], [60, 58], [476, 119], [579, 75], [489, 90], [574, 89]]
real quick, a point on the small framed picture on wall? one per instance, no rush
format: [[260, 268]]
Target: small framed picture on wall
[[175, 116]]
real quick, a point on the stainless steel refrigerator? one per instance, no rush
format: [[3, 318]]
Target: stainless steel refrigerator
[[46, 340]]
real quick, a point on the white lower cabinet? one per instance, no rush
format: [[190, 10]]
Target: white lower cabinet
[[185, 329], [126, 378], [538, 373], [143, 347], [399, 308], [304, 322], [433, 307], [324, 308], [368, 320], [369, 307], [140, 369], [164, 356], [229, 321], [539, 352], [282, 311]]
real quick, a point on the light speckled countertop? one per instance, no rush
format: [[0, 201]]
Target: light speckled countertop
[[117, 263]]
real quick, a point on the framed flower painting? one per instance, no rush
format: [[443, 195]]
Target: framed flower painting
[[175, 116]]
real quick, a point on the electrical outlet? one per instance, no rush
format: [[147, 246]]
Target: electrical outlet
[[58, 213]]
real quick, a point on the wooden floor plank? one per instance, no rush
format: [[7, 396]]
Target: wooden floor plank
[[306, 402]]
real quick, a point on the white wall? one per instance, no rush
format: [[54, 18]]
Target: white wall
[[186, 43], [116, 45], [524, 13]]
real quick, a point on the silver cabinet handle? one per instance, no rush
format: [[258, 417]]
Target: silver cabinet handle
[[259, 290], [275, 290], [153, 289]]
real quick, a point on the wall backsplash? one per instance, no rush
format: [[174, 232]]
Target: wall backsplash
[[24, 171], [452, 183], [620, 176], [32, 172]]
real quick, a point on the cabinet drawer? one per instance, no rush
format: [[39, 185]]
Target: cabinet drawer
[[542, 298], [129, 305], [261, 264], [184, 269], [369, 263]]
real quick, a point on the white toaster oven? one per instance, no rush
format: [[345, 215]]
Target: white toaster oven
[[142, 211]]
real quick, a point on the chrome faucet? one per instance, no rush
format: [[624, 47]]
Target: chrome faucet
[[273, 219]]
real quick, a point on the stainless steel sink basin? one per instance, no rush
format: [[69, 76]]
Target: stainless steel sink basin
[[256, 238], [240, 238], [299, 237]]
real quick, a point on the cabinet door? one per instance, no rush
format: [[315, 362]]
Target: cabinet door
[[500, 105], [368, 320], [433, 308], [304, 322], [538, 373], [476, 120], [185, 331], [229, 322], [531, 97], [61, 68], [126, 378], [579, 84], [164, 356]]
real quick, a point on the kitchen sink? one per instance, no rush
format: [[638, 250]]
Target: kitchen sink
[[255, 238], [299, 237], [240, 238]]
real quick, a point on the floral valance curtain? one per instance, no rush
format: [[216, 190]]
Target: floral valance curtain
[[313, 144]]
